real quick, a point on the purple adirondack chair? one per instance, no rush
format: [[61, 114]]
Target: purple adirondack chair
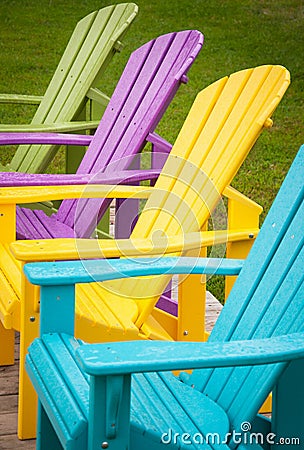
[[144, 91]]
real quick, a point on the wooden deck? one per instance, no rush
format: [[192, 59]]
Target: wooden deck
[[9, 391], [8, 407]]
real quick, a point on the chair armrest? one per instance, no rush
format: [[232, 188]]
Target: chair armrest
[[97, 96], [50, 128], [70, 272], [21, 99], [117, 358], [161, 145], [8, 138], [34, 194], [16, 179], [45, 250], [232, 194]]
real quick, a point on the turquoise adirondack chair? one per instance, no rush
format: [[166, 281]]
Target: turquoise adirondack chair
[[95, 40], [123, 395]]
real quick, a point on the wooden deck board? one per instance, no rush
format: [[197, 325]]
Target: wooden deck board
[[8, 407], [9, 390]]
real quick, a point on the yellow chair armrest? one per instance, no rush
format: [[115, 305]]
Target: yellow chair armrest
[[233, 194], [62, 249], [33, 194]]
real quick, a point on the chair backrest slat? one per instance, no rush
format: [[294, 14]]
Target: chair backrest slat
[[229, 132]]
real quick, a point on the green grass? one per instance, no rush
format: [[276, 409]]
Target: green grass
[[238, 34]]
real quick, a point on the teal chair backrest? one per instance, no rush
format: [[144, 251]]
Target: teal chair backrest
[[267, 300]]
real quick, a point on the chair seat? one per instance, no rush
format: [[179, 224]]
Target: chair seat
[[103, 316], [194, 425], [197, 420], [35, 224]]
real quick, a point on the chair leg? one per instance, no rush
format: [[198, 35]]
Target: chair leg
[[240, 215], [46, 436], [288, 407], [191, 318], [27, 403], [29, 330], [7, 339], [126, 213]]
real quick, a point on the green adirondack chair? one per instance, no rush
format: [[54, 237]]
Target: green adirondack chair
[[95, 40], [122, 395]]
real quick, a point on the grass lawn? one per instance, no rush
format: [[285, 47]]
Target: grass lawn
[[238, 34]]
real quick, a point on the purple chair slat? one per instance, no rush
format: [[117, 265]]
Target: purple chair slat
[[136, 84], [125, 131], [168, 304], [56, 228], [24, 227], [114, 113], [40, 226], [160, 92], [32, 223]]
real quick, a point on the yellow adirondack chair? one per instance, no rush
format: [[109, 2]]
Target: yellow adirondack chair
[[221, 128]]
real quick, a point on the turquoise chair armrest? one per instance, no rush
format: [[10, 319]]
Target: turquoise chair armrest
[[71, 272], [118, 358]]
